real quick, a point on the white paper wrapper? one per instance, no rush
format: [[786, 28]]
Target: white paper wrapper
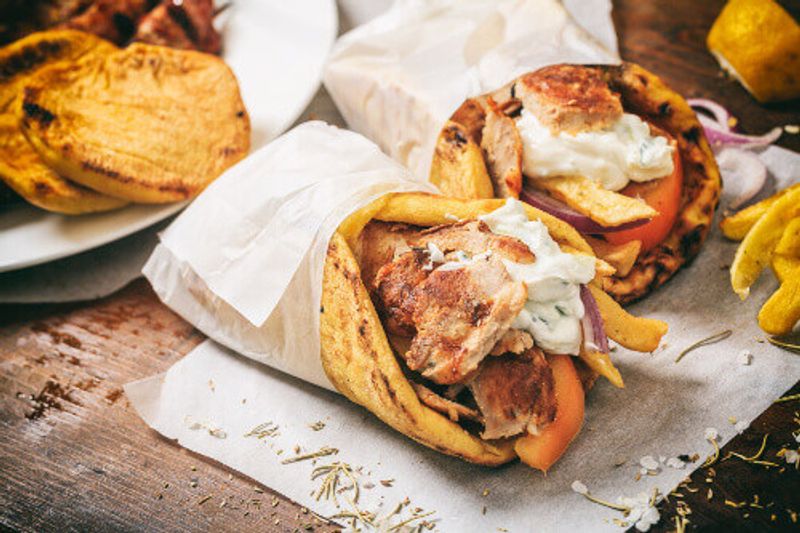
[[398, 78], [664, 409], [243, 263]]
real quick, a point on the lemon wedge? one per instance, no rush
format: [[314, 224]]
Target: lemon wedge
[[758, 43]]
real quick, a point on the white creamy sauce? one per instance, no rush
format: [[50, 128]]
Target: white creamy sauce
[[554, 309], [613, 156]]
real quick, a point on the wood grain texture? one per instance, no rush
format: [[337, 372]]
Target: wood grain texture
[[75, 456]]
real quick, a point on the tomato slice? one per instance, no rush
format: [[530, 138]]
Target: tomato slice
[[663, 195], [543, 450]]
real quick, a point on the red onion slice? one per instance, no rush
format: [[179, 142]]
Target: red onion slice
[[719, 133], [718, 138], [743, 171], [579, 221], [721, 115], [594, 333]]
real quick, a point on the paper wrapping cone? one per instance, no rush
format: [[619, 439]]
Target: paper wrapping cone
[[244, 262]]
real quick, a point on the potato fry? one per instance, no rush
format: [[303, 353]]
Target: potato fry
[[758, 246], [784, 266], [587, 197], [620, 256], [458, 168], [789, 245], [782, 311], [736, 226], [431, 210], [634, 333], [601, 363]]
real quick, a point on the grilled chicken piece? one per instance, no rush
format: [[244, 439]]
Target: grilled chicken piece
[[475, 237], [515, 393], [186, 24], [394, 287], [460, 315], [114, 20], [380, 243], [514, 341], [569, 98], [454, 411], [502, 145]]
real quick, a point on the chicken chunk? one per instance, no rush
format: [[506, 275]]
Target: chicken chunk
[[454, 411], [380, 243], [114, 20], [186, 24], [394, 290], [459, 315], [569, 98], [502, 145], [515, 393], [514, 341]]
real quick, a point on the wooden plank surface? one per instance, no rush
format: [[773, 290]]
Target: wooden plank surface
[[74, 455]]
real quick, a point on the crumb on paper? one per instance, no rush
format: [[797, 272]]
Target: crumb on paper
[[745, 358], [579, 487], [213, 430], [676, 463], [649, 464]]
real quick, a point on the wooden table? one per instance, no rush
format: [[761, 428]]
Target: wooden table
[[74, 455]]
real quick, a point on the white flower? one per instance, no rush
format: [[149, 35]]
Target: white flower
[[579, 487], [676, 463], [642, 514], [712, 434], [792, 457], [741, 426], [649, 462], [745, 357]]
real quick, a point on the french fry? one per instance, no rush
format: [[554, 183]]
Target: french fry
[[458, 168], [758, 246], [605, 207], [782, 311], [784, 266], [634, 333], [735, 227], [601, 363], [620, 256], [789, 245]]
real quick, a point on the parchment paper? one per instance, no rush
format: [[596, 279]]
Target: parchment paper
[[399, 77]]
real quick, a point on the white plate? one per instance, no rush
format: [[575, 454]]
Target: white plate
[[276, 49]]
